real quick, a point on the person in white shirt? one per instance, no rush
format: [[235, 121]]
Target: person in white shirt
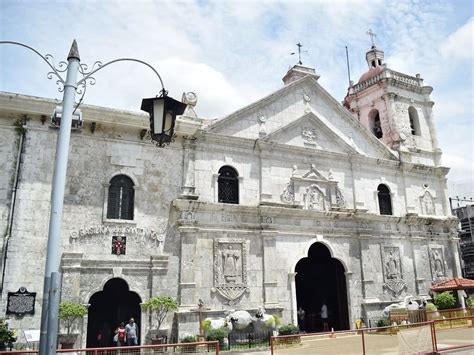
[[324, 317], [132, 332]]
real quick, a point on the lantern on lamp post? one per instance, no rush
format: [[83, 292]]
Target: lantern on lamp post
[[163, 111]]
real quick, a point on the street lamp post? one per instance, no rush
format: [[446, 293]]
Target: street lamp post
[[163, 111]]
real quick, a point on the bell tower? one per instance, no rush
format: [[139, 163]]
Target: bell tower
[[396, 108]]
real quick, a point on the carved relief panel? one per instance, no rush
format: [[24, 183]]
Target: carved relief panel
[[230, 268], [313, 191], [427, 204], [438, 270], [392, 270]]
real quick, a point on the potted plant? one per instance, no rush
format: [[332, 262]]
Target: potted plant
[[7, 336], [189, 348], [159, 306], [69, 313]]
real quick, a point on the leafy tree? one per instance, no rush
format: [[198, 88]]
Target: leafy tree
[[69, 313], [159, 306], [445, 300], [7, 335]]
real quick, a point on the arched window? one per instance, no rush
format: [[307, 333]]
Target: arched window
[[374, 123], [414, 122], [228, 185], [121, 198], [385, 200]]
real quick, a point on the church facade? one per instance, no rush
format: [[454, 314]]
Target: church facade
[[293, 201]]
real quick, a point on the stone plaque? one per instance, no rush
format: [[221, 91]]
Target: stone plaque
[[21, 302]]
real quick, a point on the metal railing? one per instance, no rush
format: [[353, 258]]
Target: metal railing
[[439, 335], [203, 347]]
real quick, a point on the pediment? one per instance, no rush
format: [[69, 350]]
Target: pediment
[[310, 132], [299, 114]]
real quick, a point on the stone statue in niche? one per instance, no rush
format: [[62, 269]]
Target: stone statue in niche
[[393, 271], [391, 267], [230, 260], [340, 198], [313, 198], [427, 204], [437, 263], [230, 269]]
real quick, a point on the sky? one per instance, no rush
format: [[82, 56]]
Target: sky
[[232, 53]]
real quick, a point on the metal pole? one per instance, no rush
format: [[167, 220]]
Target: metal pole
[[49, 323]]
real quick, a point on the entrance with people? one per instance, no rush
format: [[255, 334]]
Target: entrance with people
[[108, 308], [321, 292]]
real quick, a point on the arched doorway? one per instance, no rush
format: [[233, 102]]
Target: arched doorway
[[321, 279], [114, 304]]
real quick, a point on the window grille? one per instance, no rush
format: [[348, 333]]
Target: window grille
[[385, 201], [121, 198], [228, 185]]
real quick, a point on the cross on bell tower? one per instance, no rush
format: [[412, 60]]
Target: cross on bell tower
[[372, 36]]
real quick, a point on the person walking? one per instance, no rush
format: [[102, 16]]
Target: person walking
[[301, 313], [132, 332], [121, 335], [324, 317]]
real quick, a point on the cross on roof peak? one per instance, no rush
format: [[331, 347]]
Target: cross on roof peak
[[372, 36]]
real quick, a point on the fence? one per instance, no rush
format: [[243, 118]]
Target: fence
[[209, 347], [435, 336], [254, 340]]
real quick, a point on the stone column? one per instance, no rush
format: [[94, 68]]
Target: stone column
[[269, 269], [428, 113], [454, 246], [188, 184], [391, 130], [187, 283], [294, 307]]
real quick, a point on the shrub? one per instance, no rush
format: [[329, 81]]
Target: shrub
[[445, 300], [206, 324], [384, 322], [470, 301], [277, 320], [288, 329], [7, 336], [216, 334], [69, 313], [430, 307], [159, 306], [188, 339]]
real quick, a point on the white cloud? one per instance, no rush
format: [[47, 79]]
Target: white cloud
[[460, 43]]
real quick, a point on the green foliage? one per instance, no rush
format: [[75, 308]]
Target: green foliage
[[430, 307], [288, 329], [470, 301], [160, 306], [444, 300], [384, 322], [269, 322], [69, 312], [277, 319], [216, 334], [7, 335], [188, 339], [206, 324]]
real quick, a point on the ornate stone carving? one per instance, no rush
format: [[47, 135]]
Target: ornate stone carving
[[263, 130], [392, 270], [309, 135], [438, 271], [340, 201], [427, 204], [314, 198], [136, 234], [190, 99], [288, 195], [230, 269]]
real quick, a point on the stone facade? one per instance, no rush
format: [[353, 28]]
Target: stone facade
[[308, 172]]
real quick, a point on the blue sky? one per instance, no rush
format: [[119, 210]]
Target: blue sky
[[232, 53]]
